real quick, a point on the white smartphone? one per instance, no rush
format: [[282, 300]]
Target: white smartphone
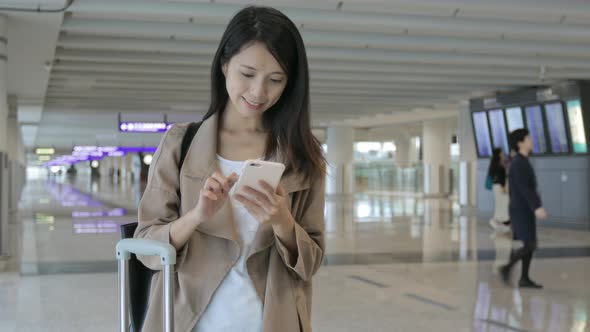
[[256, 170]]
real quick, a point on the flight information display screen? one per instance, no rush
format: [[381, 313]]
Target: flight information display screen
[[498, 126], [534, 123], [577, 130], [482, 134], [556, 128], [514, 119]]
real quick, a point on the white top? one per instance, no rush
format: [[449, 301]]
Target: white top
[[235, 306]]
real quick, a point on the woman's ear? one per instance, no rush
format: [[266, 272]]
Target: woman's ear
[[224, 69]]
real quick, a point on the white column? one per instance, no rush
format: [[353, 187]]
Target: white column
[[94, 172], [414, 150], [29, 117], [4, 174], [437, 157], [3, 77], [124, 167], [12, 134], [402, 152], [110, 163], [13, 145], [340, 157], [100, 168], [129, 171], [20, 160], [104, 166], [402, 163], [19, 151], [467, 158], [118, 161]]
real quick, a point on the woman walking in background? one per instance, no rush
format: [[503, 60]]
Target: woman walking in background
[[497, 172], [525, 208]]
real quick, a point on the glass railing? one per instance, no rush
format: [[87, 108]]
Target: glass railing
[[386, 176]]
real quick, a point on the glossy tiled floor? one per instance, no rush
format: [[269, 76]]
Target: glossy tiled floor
[[394, 263]]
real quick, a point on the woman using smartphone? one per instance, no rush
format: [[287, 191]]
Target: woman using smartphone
[[245, 262]]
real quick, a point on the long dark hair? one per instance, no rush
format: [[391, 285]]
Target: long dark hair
[[495, 162], [288, 121]]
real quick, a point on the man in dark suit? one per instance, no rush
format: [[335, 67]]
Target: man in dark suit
[[525, 207]]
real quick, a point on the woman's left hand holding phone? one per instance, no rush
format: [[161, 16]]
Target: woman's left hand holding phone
[[267, 205], [270, 206]]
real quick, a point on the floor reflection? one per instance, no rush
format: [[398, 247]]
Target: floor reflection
[[117, 212], [429, 227], [69, 196], [398, 258], [95, 226], [85, 206], [515, 310], [363, 207]]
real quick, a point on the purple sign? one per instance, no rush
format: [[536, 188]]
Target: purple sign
[[143, 127], [133, 149], [116, 154], [88, 153]]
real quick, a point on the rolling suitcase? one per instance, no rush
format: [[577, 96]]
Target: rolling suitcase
[[135, 278], [125, 249]]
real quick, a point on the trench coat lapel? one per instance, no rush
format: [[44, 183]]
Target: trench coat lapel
[[200, 163]]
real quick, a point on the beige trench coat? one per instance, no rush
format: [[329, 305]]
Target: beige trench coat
[[282, 279]]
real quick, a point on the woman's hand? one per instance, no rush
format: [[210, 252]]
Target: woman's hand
[[213, 195], [267, 206], [540, 213]]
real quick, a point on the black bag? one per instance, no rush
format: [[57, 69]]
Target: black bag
[[140, 277]]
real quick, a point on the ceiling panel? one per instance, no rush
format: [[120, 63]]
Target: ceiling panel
[[366, 57]]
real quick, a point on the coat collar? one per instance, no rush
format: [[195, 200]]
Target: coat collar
[[201, 158]]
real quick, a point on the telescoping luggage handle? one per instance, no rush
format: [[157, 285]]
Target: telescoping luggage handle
[[143, 247]]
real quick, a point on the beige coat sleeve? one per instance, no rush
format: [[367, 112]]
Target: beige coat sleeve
[[160, 204], [309, 233]]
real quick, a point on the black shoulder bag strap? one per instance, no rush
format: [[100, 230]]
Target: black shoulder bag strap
[[190, 133]]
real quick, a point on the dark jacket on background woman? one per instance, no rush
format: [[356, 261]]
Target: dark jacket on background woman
[[524, 199]]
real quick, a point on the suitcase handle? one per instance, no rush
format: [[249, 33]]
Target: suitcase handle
[[144, 247]]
